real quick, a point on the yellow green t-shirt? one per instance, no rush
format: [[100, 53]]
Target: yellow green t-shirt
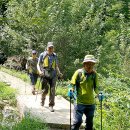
[[32, 65], [85, 85]]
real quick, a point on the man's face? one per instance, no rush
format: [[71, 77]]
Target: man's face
[[88, 66], [50, 49]]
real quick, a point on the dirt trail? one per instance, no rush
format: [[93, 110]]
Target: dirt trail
[[22, 87], [28, 102]]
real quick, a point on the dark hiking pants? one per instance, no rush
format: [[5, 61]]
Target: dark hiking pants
[[48, 85], [33, 78], [79, 110]]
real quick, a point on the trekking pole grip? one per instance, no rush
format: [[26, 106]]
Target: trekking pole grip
[[100, 96]]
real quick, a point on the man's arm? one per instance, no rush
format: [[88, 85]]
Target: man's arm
[[96, 88], [28, 64], [72, 92], [58, 71], [57, 67], [39, 64], [72, 84]]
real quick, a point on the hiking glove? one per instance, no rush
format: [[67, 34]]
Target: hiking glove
[[70, 90], [100, 96]]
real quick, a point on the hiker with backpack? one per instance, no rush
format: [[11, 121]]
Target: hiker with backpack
[[31, 67], [48, 69], [82, 86]]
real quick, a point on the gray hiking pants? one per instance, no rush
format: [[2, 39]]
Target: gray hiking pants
[[48, 85]]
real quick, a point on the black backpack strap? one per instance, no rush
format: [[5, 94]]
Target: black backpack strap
[[78, 79], [94, 80]]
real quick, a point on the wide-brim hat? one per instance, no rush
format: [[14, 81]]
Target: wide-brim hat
[[50, 44], [89, 58]]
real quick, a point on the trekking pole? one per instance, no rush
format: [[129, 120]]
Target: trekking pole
[[38, 89], [57, 84], [25, 81], [70, 107], [25, 86], [101, 96], [71, 95]]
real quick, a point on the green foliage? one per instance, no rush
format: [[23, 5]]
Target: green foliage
[[116, 105], [7, 93], [29, 123], [77, 27], [18, 74], [61, 88], [38, 84]]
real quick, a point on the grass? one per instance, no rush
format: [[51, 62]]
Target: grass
[[29, 123], [7, 93], [7, 96], [19, 74], [115, 106], [62, 90], [61, 87]]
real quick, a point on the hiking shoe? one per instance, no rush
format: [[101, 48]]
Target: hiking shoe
[[51, 109], [33, 92], [42, 100], [42, 103]]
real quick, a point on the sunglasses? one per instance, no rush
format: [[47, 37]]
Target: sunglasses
[[50, 47], [89, 63]]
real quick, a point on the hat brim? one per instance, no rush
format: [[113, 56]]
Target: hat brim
[[50, 46], [93, 61]]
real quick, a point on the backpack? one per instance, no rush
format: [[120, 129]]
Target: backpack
[[79, 78], [48, 72]]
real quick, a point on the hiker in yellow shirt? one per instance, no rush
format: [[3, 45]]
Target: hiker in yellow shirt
[[31, 67], [48, 69], [83, 85]]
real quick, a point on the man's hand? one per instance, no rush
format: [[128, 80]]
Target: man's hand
[[101, 96], [41, 73], [27, 71], [60, 76], [70, 93]]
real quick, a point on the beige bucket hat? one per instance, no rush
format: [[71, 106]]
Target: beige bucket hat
[[89, 58]]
